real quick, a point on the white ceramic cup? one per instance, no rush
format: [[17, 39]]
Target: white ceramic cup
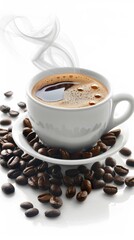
[[75, 128]]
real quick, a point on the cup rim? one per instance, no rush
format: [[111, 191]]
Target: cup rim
[[61, 70]]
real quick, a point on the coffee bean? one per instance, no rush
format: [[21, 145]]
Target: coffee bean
[[26, 205], [27, 123], [118, 180], [109, 140], [116, 132], [78, 180], [21, 180], [36, 146], [68, 181], [42, 151], [22, 105], [8, 145], [87, 154], [34, 162], [14, 173], [18, 152], [120, 170], [125, 151], [108, 178], [52, 213], [8, 93], [89, 175], [33, 182], [4, 109], [71, 191], [57, 173], [64, 154], [44, 197], [110, 162], [31, 212], [110, 189], [10, 138], [13, 162], [8, 188], [43, 183], [13, 113], [31, 136], [98, 173], [6, 153], [129, 181], [26, 157], [3, 132], [22, 165], [86, 186], [3, 163], [53, 168], [109, 169], [130, 162], [56, 202], [97, 184], [43, 167], [29, 171], [95, 166], [55, 190], [76, 155], [103, 147], [56, 181], [95, 151], [72, 172], [52, 152], [26, 131], [83, 169], [81, 196], [5, 122]]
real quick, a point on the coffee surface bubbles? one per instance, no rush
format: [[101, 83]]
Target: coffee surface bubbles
[[69, 90]]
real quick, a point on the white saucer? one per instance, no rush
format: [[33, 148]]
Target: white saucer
[[22, 143]]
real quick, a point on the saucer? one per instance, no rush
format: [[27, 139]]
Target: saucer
[[23, 144]]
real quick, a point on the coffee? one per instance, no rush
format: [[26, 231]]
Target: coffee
[[70, 90]]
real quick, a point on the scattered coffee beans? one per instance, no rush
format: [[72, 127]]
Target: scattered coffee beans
[[125, 151], [5, 122], [4, 109], [8, 93], [52, 213], [81, 196], [118, 180], [110, 162], [110, 189], [22, 105], [13, 113], [26, 205], [130, 162], [120, 170], [129, 181], [56, 202], [71, 191], [8, 188], [31, 212]]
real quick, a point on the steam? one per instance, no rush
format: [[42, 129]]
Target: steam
[[52, 50]]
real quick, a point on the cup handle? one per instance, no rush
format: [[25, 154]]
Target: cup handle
[[126, 113]]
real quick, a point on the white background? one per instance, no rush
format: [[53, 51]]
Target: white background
[[102, 32]]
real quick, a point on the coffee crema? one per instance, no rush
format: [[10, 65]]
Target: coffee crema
[[69, 90]]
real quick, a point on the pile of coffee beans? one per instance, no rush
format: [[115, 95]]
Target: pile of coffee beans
[[102, 145], [78, 182]]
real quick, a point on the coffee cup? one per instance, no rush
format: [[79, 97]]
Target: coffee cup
[[78, 127]]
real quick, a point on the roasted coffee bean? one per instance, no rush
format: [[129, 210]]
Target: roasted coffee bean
[[57, 174], [34, 162], [125, 151], [98, 173], [26, 205], [14, 173], [43, 174], [129, 181], [31, 136], [26, 157], [95, 166], [5, 122], [130, 162], [42, 151], [4, 109], [78, 180], [76, 155], [3, 163], [21, 180], [56, 202], [52, 213], [10, 138], [55, 190], [97, 184], [109, 169], [27, 123], [110, 162], [109, 140], [26, 131], [43, 183], [86, 186], [8, 94], [36, 146], [31, 212], [64, 154], [22, 165], [89, 175], [29, 171], [44, 197], [43, 166], [110, 189], [120, 170], [18, 152], [95, 151], [103, 147], [72, 172], [33, 182], [8, 188], [68, 181], [6, 153], [83, 169], [3, 132], [13, 162], [56, 181], [81, 196], [34, 140], [116, 132], [87, 154], [108, 178], [22, 105], [52, 168], [52, 152], [118, 180], [71, 191], [13, 113]]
